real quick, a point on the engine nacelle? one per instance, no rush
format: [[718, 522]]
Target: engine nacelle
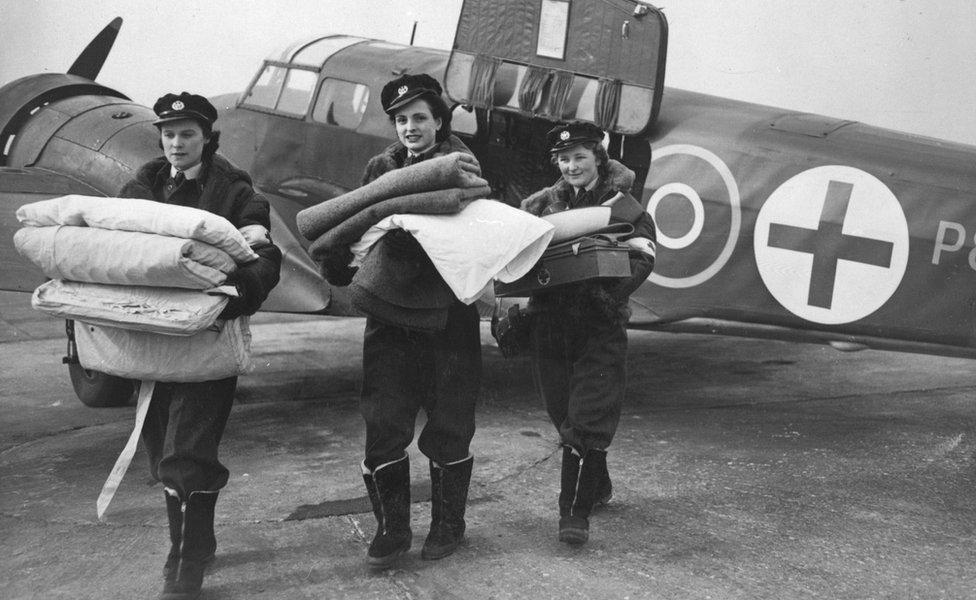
[[76, 127]]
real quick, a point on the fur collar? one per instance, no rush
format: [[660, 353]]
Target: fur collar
[[619, 178]]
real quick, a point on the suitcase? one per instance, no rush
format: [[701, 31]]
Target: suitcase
[[575, 261]]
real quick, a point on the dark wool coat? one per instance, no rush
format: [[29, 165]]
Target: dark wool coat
[[226, 191], [606, 300]]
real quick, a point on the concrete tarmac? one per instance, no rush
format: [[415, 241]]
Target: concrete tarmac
[[742, 469]]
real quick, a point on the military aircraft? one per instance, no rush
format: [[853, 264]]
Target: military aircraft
[[771, 223]]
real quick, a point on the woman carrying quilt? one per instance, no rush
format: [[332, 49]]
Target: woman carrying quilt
[[421, 348], [185, 421]]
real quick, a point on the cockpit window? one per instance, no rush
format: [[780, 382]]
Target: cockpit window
[[297, 93], [264, 92], [341, 103], [282, 89]]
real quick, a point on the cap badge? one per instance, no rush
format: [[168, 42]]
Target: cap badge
[[402, 90], [178, 105], [564, 136]]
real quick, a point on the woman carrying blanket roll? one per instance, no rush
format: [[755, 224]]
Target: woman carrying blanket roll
[[186, 420], [409, 364], [579, 335]]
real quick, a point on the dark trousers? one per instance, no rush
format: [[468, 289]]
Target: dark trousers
[[182, 432], [580, 370], [404, 370]]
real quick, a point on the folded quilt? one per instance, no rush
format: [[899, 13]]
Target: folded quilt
[[222, 350], [455, 170], [145, 216], [123, 257], [486, 240], [344, 234], [159, 310]]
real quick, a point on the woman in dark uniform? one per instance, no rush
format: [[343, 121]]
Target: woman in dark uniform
[[406, 368], [579, 335], [186, 420]]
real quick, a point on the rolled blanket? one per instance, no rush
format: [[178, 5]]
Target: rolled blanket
[[123, 257], [139, 308], [447, 201], [146, 216], [455, 170]]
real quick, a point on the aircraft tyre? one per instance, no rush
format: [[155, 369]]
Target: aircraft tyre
[[99, 390]]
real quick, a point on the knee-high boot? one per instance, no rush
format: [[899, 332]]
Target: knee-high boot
[[174, 513], [581, 474], [604, 488], [388, 486], [183, 576], [448, 498]]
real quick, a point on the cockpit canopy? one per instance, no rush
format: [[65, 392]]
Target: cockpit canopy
[[286, 84]]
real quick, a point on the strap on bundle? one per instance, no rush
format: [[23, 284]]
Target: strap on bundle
[[146, 389]]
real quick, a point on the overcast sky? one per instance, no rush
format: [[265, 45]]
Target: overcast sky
[[901, 64]]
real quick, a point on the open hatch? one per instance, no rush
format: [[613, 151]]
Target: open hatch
[[600, 61]]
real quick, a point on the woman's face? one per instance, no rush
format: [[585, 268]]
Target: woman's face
[[416, 126], [578, 165], [183, 143]]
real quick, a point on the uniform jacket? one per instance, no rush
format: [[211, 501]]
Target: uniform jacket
[[596, 299], [226, 191]]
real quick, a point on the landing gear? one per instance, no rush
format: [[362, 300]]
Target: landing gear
[[94, 388]]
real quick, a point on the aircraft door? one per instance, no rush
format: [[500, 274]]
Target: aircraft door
[[560, 60]]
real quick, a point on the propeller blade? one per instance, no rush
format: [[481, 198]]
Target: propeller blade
[[91, 59]]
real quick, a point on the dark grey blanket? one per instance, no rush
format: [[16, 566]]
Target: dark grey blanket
[[439, 202], [455, 170]]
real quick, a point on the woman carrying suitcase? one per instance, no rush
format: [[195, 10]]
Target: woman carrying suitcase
[[579, 335]]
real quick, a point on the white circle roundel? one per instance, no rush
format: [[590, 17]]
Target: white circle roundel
[[669, 247], [831, 244]]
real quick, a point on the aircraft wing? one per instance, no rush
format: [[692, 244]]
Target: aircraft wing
[[301, 288], [19, 186]]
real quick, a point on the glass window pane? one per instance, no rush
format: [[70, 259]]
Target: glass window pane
[[341, 103], [297, 93], [265, 90]]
